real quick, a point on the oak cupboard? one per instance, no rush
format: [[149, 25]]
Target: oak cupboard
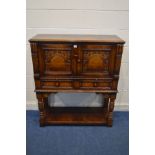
[[76, 63]]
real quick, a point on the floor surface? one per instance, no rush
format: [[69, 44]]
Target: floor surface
[[78, 140]]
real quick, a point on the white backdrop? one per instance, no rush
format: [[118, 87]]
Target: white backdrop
[[78, 17]]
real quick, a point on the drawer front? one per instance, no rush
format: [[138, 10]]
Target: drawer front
[[57, 84], [55, 59], [77, 84], [96, 84], [97, 59]]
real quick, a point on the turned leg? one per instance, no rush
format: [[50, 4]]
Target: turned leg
[[105, 101], [43, 106], [112, 98]]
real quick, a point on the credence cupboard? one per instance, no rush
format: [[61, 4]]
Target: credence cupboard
[[76, 63]]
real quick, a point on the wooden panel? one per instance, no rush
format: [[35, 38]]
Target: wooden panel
[[34, 53], [82, 84], [57, 84], [96, 84], [97, 59], [78, 115], [123, 33], [80, 4], [55, 59], [111, 39], [119, 51], [76, 91], [70, 19]]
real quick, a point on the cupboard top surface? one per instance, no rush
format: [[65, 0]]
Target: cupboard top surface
[[76, 38]]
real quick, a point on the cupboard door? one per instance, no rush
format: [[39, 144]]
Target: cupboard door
[[97, 60], [55, 59]]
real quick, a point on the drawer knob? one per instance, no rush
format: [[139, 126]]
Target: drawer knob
[[75, 46]]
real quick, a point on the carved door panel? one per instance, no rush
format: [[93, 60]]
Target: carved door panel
[[97, 60], [55, 59]]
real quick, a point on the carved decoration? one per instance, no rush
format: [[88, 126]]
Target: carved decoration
[[34, 57], [96, 61], [111, 108], [57, 60], [119, 51], [106, 100], [41, 105]]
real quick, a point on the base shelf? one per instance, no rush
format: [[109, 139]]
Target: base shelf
[[76, 115]]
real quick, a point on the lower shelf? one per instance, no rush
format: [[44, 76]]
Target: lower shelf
[[76, 115]]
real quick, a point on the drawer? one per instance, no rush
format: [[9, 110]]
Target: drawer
[[96, 84], [78, 84], [55, 84]]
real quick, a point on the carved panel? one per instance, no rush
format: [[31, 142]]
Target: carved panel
[[96, 61], [57, 60]]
